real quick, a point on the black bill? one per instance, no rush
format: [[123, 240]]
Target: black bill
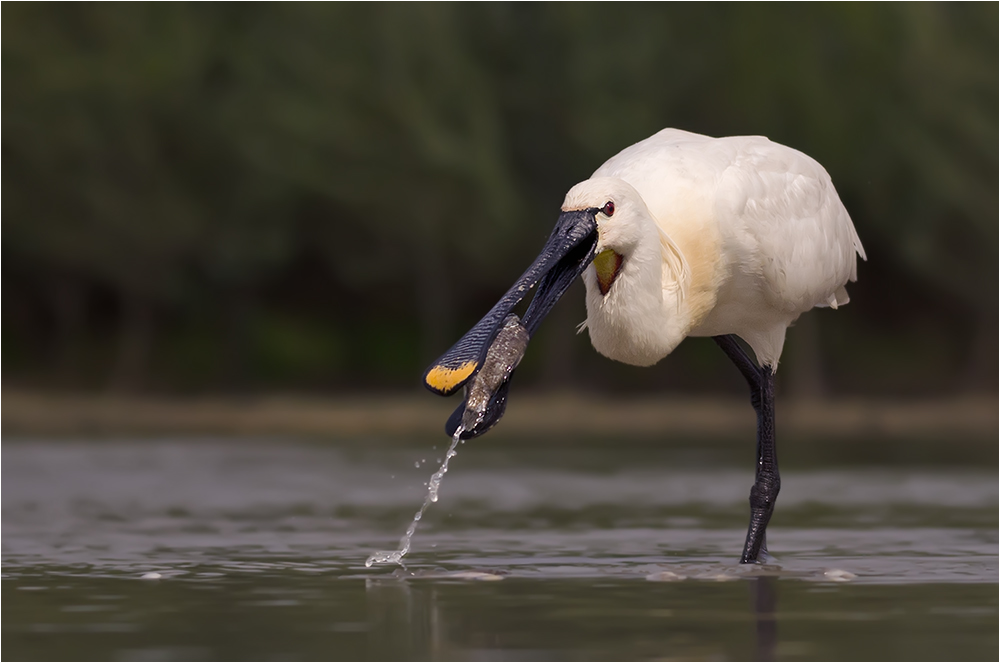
[[568, 251]]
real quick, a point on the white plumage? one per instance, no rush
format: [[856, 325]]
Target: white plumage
[[713, 236], [684, 235]]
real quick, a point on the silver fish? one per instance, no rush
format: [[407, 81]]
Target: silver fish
[[501, 359]]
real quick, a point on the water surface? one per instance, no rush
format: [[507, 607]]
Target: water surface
[[221, 549]]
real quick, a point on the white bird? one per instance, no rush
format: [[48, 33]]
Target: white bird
[[685, 235]]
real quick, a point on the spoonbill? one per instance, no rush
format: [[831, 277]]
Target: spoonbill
[[686, 235]]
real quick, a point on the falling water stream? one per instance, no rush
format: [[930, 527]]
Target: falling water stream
[[504, 355], [396, 556]]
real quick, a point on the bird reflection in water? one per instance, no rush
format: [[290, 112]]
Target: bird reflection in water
[[440, 616]]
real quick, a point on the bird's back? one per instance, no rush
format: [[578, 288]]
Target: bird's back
[[761, 222]]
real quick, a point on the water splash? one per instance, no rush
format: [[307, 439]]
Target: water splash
[[396, 556]]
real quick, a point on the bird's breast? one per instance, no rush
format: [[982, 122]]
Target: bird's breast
[[629, 324]]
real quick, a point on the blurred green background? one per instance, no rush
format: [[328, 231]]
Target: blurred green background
[[209, 198]]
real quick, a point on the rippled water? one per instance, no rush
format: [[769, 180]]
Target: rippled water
[[149, 550]]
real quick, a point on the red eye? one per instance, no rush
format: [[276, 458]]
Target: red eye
[[609, 208]]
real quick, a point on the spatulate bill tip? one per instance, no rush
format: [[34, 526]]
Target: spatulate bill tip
[[446, 380]]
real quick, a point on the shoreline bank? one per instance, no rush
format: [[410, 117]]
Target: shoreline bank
[[32, 414]]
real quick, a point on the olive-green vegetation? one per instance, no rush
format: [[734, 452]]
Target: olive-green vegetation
[[206, 197]]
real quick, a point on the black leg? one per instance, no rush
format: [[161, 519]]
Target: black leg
[[767, 480]]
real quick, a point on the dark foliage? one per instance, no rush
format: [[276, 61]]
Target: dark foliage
[[261, 196]]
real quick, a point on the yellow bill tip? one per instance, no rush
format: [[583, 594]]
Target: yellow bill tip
[[444, 379]]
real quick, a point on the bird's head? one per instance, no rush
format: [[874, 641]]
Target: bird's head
[[621, 229], [569, 250]]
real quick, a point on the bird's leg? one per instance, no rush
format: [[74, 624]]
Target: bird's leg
[[748, 367], [767, 481]]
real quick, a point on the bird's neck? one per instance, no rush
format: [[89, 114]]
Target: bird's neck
[[645, 314]]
